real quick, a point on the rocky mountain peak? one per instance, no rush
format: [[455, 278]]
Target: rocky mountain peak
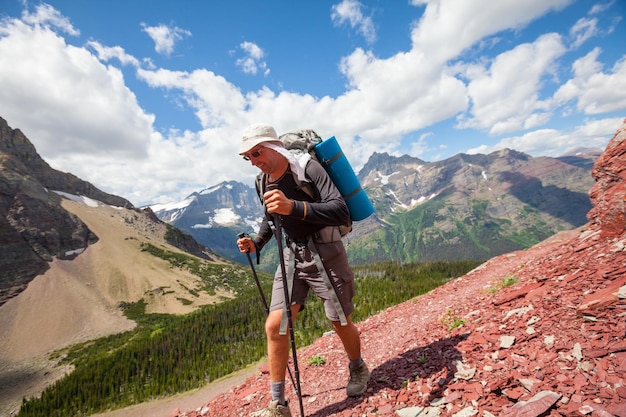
[[15, 143], [512, 153], [386, 164]]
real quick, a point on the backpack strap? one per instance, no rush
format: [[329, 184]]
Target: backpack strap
[[307, 186], [259, 184], [329, 284], [291, 275]]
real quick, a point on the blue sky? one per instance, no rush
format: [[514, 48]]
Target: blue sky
[[147, 99]]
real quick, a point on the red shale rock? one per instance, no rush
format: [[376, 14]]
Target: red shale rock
[[608, 195], [563, 323]]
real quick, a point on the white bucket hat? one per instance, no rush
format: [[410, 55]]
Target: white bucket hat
[[255, 134], [266, 135]]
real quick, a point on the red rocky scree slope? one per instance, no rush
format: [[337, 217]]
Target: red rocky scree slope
[[552, 344]]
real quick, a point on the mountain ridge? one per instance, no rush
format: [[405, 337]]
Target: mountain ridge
[[473, 206], [34, 227]]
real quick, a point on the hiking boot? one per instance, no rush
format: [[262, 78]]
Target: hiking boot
[[274, 409], [358, 380]]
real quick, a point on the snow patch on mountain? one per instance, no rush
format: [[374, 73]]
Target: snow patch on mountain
[[225, 216], [178, 205], [413, 202], [422, 199], [215, 188], [170, 212], [384, 179], [90, 202]]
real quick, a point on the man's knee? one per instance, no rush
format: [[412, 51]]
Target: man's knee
[[275, 318], [272, 322]]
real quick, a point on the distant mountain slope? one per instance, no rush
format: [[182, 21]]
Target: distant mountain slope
[[464, 207], [81, 296], [215, 215], [470, 206], [34, 228], [80, 299]]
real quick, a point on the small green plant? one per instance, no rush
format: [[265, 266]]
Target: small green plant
[[317, 360], [422, 359], [451, 320], [507, 281]]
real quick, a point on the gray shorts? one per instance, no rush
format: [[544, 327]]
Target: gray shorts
[[307, 277]]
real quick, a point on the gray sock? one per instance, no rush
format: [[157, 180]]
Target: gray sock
[[356, 363], [278, 391]]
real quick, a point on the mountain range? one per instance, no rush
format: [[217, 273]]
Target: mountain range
[[465, 207]]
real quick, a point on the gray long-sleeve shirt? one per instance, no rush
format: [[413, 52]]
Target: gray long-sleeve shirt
[[309, 215]]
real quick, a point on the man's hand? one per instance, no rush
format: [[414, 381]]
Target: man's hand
[[246, 245], [277, 203]]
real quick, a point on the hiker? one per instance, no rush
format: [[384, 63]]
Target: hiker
[[309, 225]]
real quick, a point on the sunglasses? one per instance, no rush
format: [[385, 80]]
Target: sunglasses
[[254, 154]]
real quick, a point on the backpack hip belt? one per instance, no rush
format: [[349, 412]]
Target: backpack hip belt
[[328, 234]]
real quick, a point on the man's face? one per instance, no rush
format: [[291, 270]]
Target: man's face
[[260, 157]]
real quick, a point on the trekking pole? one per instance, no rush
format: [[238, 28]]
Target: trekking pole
[[277, 229], [267, 308], [256, 278]]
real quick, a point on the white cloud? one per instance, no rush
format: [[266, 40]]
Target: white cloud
[[418, 88], [216, 101], [552, 142], [420, 146], [584, 29], [349, 11], [74, 103], [505, 96], [253, 61], [165, 37], [593, 90], [601, 7], [108, 53], [65, 98], [417, 95], [448, 27], [47, 16]]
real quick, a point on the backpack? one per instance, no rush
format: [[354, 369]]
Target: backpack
[[301, 143]]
